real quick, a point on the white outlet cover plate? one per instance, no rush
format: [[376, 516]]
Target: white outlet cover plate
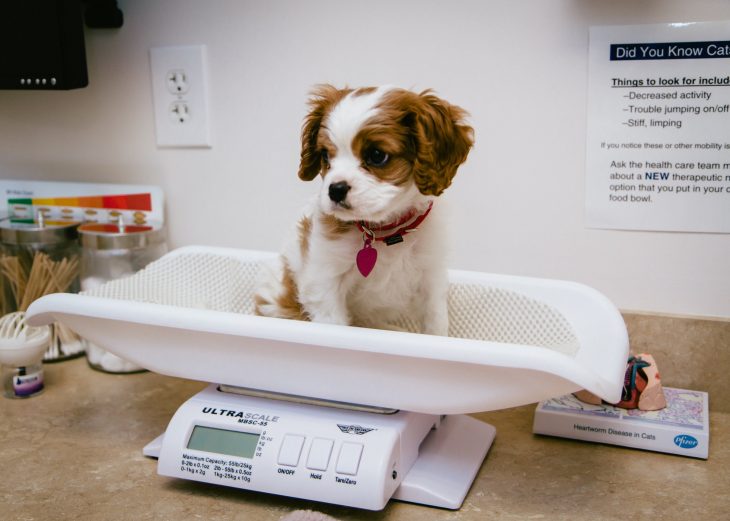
[[194, 130]]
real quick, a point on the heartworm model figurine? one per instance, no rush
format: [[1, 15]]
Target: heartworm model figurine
[[642, 386]]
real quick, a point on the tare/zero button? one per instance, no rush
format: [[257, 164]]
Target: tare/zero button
[[349, 459], [291, 448]]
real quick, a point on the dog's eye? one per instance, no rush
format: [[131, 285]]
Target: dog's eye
[[325, 157], [375, 157]]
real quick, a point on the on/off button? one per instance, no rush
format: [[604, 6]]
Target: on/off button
[[349, 459], [290, 450]]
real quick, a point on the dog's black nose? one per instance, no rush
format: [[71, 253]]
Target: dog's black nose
[[338, 191]]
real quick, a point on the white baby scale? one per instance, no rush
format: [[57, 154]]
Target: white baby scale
[[279, 415]]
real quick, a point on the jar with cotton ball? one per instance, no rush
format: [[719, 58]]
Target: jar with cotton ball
[[111, 251]]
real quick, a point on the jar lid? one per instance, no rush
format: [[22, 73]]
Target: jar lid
[[108, 236], [38, 232]]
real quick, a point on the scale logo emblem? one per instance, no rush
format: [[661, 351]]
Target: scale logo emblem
[[354, 429]]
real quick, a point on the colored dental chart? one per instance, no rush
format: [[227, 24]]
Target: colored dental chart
[[658, 144]]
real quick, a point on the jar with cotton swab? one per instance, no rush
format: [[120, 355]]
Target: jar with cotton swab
[[42, 256]]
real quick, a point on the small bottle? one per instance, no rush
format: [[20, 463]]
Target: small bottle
[[24, 381]]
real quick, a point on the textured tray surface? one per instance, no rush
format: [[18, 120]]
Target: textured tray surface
[[220, 283]]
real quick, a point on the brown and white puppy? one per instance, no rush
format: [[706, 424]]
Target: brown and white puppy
[[370, 250]]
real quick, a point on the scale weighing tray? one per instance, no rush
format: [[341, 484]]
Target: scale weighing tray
[[512, 341]]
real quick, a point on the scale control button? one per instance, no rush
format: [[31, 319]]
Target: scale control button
[[290, 450], [319, 454], [349, 458]]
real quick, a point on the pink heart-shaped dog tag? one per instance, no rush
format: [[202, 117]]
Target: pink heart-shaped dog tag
[[366, 259]]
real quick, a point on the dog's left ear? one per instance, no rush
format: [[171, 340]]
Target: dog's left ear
[[442, 142], [322, 99]]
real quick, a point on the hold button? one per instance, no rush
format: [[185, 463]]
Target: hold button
[[319, 454], [349, 459]]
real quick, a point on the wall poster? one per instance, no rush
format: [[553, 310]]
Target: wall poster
[[658, 143]]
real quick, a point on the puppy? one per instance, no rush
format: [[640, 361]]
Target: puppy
[[370, 250]]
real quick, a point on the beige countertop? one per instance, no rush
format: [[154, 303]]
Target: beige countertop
[[75, 452]]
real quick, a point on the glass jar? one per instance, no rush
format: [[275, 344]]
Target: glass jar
[[7, 299], [40, 258], [113, 251]]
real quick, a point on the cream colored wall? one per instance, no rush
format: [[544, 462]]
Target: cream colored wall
[[519, 67]]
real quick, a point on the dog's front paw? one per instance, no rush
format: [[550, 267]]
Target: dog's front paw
[[434, 328], [436, 323], [329, 317]]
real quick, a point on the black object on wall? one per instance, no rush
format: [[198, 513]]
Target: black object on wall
[[42, 41]]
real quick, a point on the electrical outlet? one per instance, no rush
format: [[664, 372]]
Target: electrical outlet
[[179, 113], [177, 81], [179, 89]]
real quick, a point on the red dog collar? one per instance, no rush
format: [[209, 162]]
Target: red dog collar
[[368, 256]]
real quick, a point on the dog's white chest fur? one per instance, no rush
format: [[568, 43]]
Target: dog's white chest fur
[[404, 277]]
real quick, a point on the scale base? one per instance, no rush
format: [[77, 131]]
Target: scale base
[[448, 461]]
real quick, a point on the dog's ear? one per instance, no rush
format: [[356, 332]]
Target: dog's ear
[[442, 142], [322, 99]]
